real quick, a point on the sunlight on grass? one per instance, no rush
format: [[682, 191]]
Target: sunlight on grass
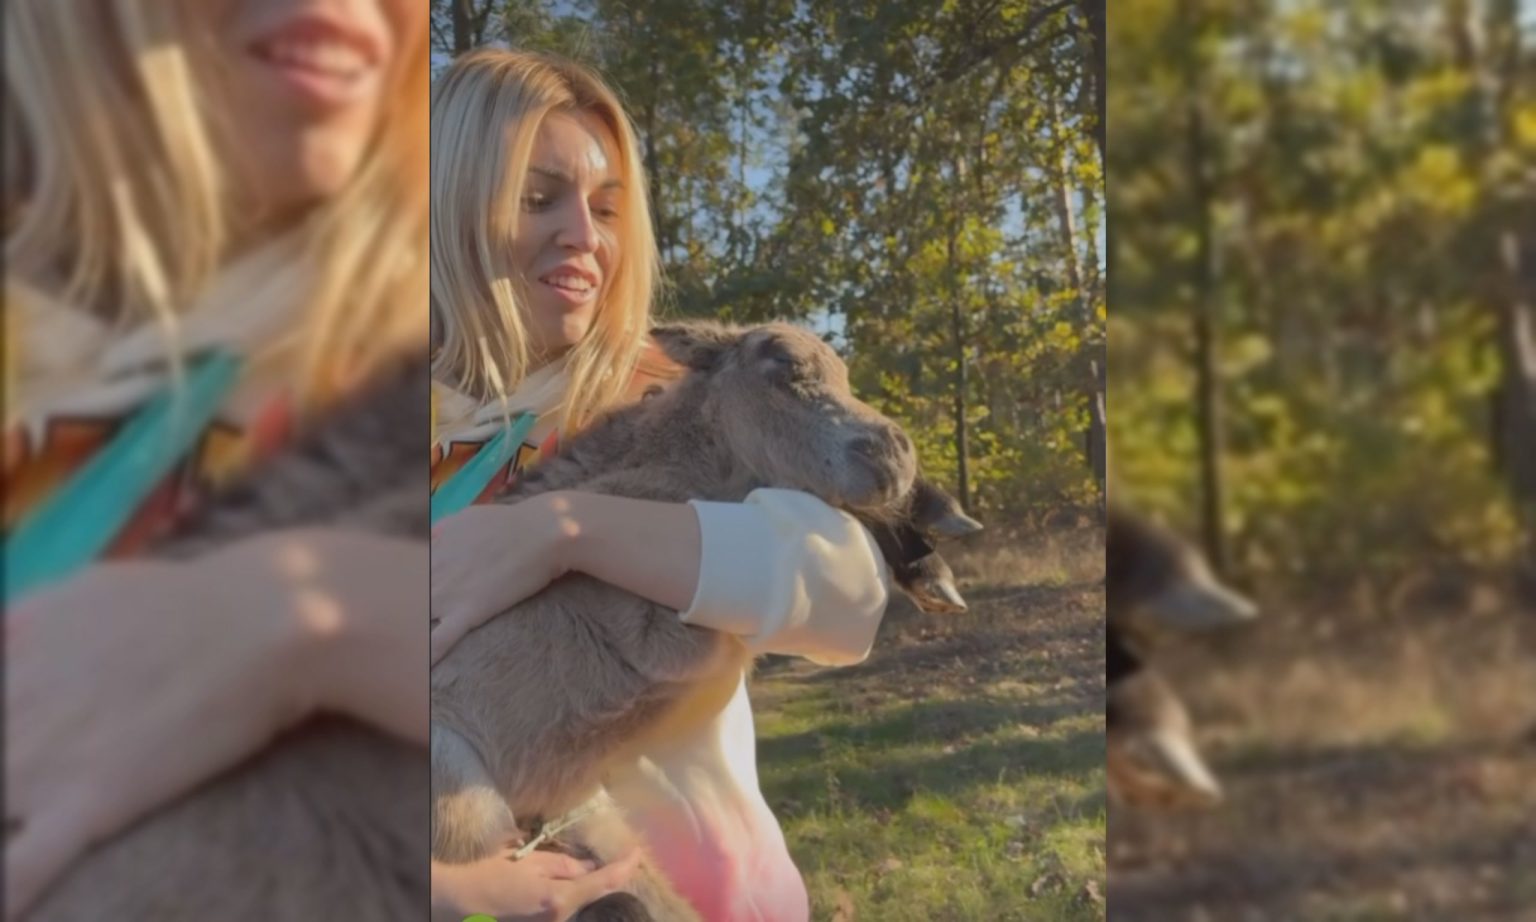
[[948, 808]]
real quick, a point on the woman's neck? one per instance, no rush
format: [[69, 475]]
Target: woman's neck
[[540, 360], [266, 225]]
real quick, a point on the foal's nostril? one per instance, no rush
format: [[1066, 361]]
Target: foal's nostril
[[873, 458], [865, 446], [882, 476]]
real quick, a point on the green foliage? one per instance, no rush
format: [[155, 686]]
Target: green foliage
[[1352, 188]]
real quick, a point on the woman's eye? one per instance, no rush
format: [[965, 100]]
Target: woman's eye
[[535, 201], [606, 212]]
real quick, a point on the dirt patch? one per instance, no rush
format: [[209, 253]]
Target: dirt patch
[[1041, 636]]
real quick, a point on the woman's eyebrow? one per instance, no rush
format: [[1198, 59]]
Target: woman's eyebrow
[[564, 177], [551, 173]]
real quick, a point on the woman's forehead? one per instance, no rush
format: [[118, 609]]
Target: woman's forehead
[[575, 147]]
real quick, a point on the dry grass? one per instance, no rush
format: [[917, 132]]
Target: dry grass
[[1375, 770], [1059, 558], [1460, 680]]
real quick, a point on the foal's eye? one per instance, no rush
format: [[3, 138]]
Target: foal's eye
[[776, 365]]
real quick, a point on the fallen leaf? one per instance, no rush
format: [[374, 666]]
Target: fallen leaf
[[1047, 881], [1091, 894], [845, 911]]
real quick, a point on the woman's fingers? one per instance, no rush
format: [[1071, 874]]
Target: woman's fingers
[[175, 695], [447, 633], [579, 891], [487, 559], [617, 873], [562, 867], [34, 857]]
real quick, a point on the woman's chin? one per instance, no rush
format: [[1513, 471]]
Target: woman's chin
[[564, 337]]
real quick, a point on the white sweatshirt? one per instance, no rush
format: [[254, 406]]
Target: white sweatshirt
[[790, 575]]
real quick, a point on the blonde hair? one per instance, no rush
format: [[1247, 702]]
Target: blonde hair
[[117, 197], [486, 111]]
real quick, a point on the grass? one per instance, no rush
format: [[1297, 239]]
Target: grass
[[959, 773]]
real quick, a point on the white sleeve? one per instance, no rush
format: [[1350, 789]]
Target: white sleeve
[[790, 574]]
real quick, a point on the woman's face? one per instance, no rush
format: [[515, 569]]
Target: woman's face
[[567, 239], [307, 84]]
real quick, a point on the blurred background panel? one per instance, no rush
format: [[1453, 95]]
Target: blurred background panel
[[922, 183], [215, 514], [1324, 369]]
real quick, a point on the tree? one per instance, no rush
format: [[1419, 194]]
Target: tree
[[1360, 170], [892, 174]]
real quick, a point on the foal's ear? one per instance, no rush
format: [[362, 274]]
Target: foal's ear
[[696, 344]]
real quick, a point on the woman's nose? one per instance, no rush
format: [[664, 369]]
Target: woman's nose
[[578, 229]]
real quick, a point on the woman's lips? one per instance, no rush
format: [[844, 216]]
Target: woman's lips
[[323, 64]]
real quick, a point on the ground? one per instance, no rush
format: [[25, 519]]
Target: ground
[[959, 772], [1376, 768]]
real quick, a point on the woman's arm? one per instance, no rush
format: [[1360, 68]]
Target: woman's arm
[[792, 575], [489, 557], [352, 604], [783, 569], [158, 675]]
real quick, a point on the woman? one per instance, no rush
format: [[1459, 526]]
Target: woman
[[543, 270], [186, 176]]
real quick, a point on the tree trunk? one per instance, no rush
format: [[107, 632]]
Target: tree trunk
[[463, 40], [957, 334], [1516, 435], [1206, 274], [664, 240], [1095, 437], [1492, 59], [1516, 302], [1094, 70]]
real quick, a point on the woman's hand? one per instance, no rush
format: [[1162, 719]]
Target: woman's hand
[[543, 887], [488, 558], [125, 687], [132, 683]]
